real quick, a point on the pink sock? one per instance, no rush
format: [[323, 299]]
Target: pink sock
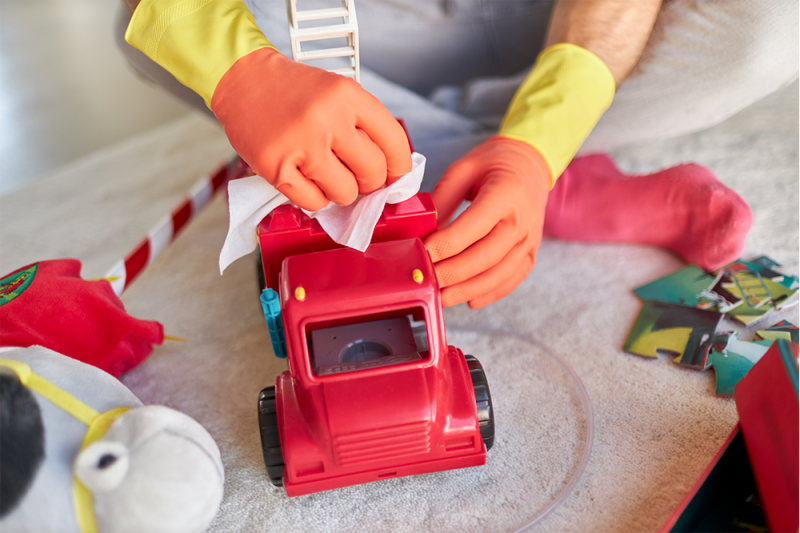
[[685, 209]]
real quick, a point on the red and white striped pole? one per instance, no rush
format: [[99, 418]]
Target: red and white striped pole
[[161, 236]]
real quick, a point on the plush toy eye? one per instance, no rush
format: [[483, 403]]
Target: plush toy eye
[[106, 461]]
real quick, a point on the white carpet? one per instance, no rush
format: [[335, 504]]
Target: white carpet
[[657, 425]]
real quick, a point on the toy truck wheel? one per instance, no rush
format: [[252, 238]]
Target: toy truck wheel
[[483, 399], [270, 439]]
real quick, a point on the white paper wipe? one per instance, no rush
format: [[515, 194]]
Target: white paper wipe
[[251, 199]]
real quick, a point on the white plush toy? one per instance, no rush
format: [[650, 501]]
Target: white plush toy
[[80, 453]]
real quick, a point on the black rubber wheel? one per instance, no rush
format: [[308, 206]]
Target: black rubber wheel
[[270, 439], [262, 281], [483, 399]]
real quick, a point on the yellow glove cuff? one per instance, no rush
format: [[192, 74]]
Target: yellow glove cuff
[[197, 41], [559, 103]]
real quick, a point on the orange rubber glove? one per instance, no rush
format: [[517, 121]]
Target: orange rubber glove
[[490, 248], [314, 135]]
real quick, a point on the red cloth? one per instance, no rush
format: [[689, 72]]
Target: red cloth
[[48, 304]]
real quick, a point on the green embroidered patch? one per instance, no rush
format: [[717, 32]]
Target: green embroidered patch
[[15, 284]]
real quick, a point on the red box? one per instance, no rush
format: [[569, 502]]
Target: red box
[[710, 506], [760, 456], [767, 401]]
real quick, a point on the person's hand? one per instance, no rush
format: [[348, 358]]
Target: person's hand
[[314, 135], [489, 249]]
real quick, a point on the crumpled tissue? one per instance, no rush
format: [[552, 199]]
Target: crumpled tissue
[[251, 199]]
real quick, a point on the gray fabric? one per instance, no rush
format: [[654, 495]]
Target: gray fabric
[[705, 61], [422, 44], [658, 426]]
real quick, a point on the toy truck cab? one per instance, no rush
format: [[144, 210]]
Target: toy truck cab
[[373, 391]]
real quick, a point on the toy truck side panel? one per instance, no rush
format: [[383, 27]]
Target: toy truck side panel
[[304, 459], [288, 231], [461, 422]]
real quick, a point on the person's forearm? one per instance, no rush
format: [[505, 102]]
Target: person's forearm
[[131, 4], [616, 31]]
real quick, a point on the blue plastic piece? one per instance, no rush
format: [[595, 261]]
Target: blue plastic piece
[[272, 312]]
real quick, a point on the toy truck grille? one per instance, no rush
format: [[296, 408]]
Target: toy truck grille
[[396, 441]]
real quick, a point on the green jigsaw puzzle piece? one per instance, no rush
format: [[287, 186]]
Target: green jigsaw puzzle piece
[[685, 331], [681, 287], [735, 361]]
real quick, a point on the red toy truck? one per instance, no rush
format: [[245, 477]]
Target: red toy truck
[[373, 391]]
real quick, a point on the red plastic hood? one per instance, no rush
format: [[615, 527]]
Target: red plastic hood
[[379, 416]]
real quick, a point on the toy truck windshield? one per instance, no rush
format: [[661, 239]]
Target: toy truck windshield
[[357, 311], [369, 344]]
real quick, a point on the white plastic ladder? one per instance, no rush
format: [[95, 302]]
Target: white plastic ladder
[[348, 28]]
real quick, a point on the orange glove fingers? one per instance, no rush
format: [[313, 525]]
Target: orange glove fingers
[[300, 191], [454, 187], [506, 288], [364, 159], [280, 115], [384, 130], [490, 248], [479, 257], [490, 280], [332, 177], [475, 223]]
